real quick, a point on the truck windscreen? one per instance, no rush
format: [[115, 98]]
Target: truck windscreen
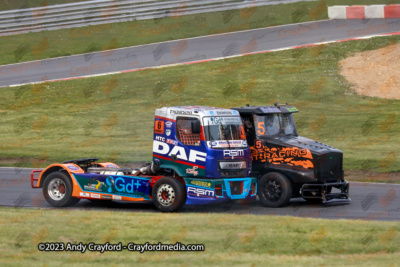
[[224, 132], [275, 125]]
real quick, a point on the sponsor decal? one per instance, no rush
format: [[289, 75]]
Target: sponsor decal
[[160, 138], [116, 197], [124, 187], [107, 197], [292, 109], [164, 149], [156, 160], [224, 112], [270, 110], [112, 166], [212, 113], [73, 168], [201, 183], [82, 194], [200, 192], [94, 186], [230, 143], [172, 142], [168, 132], [282, 155], [168, 124], [234, 153], [94, 195], [180, 112], [193, 170], [223, 120]]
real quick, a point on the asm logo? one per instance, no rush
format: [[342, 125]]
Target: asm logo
[[164, 149], [234, 153], [200, 192]]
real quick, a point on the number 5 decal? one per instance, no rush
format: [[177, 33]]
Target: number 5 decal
[[260, 128]]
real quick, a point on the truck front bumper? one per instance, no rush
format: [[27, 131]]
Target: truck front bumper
[[204, 191], [324, 191]]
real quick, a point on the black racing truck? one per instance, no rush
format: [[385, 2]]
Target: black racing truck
[[287, 165]]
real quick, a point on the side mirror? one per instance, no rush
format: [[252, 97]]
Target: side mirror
[[196, 127]]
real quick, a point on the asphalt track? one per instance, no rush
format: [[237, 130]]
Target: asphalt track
[[194, 50], [370, 201]]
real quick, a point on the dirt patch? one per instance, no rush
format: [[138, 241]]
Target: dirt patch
[[374, 73]]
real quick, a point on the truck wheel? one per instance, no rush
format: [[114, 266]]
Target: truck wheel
[[274, 190], [168, 194], [57, 190]]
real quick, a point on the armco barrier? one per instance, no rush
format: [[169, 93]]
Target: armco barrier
[[110, 11], [364, 12]]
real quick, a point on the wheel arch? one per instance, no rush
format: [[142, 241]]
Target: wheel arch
[[292, 183], [54, 168]]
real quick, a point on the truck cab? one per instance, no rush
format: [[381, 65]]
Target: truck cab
[[207, 148], [286, 164]]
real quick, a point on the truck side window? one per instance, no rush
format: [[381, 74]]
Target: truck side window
[[248, 124], [184, 131]]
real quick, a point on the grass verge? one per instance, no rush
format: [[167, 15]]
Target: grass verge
[[50, 44], [240, 240], [21, 4], [111, 117]]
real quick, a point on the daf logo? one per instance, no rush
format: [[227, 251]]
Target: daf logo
[[232, 165]]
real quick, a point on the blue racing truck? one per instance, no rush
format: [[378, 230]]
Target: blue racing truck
[[200, 156]]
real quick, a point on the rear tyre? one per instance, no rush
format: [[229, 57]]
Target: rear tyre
[[57, 190], [168, 194], [274, 190]]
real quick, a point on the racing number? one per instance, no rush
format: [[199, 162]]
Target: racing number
[[258, 144], [260, 128], [159, 127]]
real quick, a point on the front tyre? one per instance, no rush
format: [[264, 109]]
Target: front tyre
[[168, 194], [57, 190], [274, 190]]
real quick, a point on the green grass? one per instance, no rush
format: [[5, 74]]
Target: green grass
[[240, 240], [21, 4], [49, 44], [112, 117]]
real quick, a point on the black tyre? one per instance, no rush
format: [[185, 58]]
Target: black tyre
[[274, 190], [57, 190], [169, 194]]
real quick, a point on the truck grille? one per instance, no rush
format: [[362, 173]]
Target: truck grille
[[236, 188], [233, 174], [330, 167]]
